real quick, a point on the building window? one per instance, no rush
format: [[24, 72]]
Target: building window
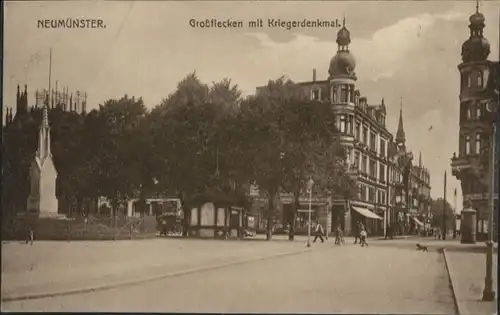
[[382, 148], [373, 168], [357, 161], [364, 164], [381, 175], [467, 145], [469, 113], [351, 94], [358, 127], [478, 112], [334, 94], [382, 119], [480, 80], [315, 95], [350, 123], [478, 143], [372, 141], [372, 195], [343, 93], [342, 124], [365, 135], [469, 81]]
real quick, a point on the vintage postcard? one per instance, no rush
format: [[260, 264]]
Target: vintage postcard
[[250, 156]]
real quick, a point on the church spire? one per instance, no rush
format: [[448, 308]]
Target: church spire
[[400, 135]]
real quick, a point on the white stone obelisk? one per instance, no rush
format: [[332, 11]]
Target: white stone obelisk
[[43, 174]]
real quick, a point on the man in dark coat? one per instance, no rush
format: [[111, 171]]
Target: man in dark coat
[[356, 231]]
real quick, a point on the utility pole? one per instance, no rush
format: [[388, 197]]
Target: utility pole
[[489, 292], [455, 213], [50, 76], [444, 208]]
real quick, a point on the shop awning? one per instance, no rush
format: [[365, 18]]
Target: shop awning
[[305, 210], [418, 221], [367, 213]]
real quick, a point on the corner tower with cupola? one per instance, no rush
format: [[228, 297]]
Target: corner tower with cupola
[[478, 82]]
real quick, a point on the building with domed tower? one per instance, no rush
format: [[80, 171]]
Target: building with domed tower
[[370, 155], [478, 100]]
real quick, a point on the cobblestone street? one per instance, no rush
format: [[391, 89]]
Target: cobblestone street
[[325, 279]]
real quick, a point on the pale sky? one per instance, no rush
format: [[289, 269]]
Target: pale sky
[[407, 49]]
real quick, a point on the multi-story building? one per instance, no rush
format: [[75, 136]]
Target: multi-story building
[[409, 186], [370, 160], [478, 101]]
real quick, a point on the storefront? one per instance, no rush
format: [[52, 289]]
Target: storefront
[[418, 226], [370, 220]]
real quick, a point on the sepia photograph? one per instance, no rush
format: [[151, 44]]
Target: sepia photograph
[[327, 157]]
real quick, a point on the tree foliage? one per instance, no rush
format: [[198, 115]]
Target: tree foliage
[[438, 214], [199, 139]]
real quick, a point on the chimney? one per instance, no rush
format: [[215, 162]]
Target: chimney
[[314, 75]]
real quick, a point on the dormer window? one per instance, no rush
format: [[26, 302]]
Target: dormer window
[[315, 95]]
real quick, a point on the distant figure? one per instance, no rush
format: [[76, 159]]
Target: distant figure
[[437, 234], [30, 236], [363, 235], [339, 236], [388, 232], [318, 233], [357, 230]]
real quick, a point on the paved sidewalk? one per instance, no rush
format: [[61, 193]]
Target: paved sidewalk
[[450, 244], [467, 272], [62, 266]]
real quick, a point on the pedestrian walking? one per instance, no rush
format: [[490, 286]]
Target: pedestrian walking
[[363, 235], [339, 236], [318, 233], [30, 236], [356, 232]]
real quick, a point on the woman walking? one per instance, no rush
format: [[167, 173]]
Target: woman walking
[[363, 236]]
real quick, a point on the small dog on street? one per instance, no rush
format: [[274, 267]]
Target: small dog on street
[[422, 247]]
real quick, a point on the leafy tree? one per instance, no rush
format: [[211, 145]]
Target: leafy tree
[[119, 150], [437, 214], [288, 140], [190, 137]]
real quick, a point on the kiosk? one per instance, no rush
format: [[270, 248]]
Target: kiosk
[[216, 214], [468, 226]]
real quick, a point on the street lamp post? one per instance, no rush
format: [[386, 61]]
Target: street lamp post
[[489, 293], [310, 184]]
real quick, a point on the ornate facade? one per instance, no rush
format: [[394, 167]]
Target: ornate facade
[[371, 159], [409, 186], [471, 165]]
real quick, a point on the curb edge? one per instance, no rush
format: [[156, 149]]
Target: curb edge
[[450, 279], [103, 287]]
